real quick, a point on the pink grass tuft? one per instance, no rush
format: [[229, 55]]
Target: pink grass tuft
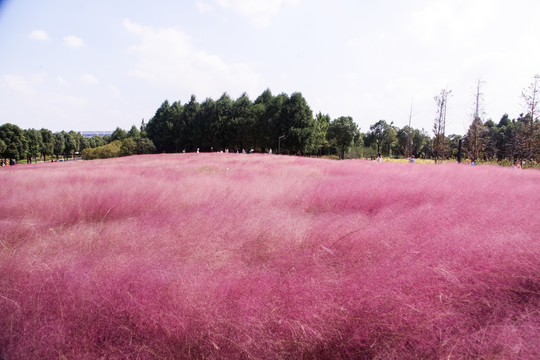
[[258, 256]]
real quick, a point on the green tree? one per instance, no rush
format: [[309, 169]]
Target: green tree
[[221, 126], [383, 136], [47, 144], [128, 147], [263, 118], [35, 144], [278, 120], [298, 119], [474, 143], [420, 144], [70, 143], [118, 134], [59, 144], [319, 143], [144, 146], [243, 122], [341, 133], [175, 118], [490, 136], [134, 132], [143, 129], [452, 144], [96, 141], [187, 124], [15, 142], [160, 129], [202, 124]]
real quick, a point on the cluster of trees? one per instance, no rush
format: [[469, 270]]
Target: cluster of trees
[[245, 124], [16, 143], [121, 143], [509, 139], [31, 144], [286, 124]]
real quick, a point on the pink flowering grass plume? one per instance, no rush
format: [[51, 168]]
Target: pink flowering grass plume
[[268, 257]]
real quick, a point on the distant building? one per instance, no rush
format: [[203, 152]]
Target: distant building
[[88, 134]]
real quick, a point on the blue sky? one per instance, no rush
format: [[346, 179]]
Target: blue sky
[[95, 65]]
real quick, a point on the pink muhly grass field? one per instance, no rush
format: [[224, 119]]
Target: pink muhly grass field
[[268, 257]]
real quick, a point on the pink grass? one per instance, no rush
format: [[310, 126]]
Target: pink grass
[[263, 257]]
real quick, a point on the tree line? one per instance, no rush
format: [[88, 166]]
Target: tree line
[[32, 145], [287, 121], [286, 124]]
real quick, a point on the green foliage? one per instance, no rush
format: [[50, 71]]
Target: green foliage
[[243, 124], [474, 143], [383, 137], [128, 147], [111, 150], [117, 148], [134, 132], [118, 134], [16, 144], [59, 144], [299, 119], [319, 144], [144, 146], [47, 144], [70, 143], [341, 133], [35, 143]]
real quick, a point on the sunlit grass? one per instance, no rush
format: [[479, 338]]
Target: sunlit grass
[[260, 256]]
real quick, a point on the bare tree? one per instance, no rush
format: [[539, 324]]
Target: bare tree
[[474, 143], [439, 147], [408, 147], [530, 98]]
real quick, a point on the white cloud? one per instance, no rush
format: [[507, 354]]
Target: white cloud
[[89, 79], [73, 41], [60, 81], [167, 56], [18, 84], [203, 6], [40, 35], [259, 12]]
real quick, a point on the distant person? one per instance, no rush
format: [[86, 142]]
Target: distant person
[[516, 165], [379, 158], [472, 162], [243, 151], [251, 151], [270, 152], [197, 150], [412, 159], [3, 163]]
